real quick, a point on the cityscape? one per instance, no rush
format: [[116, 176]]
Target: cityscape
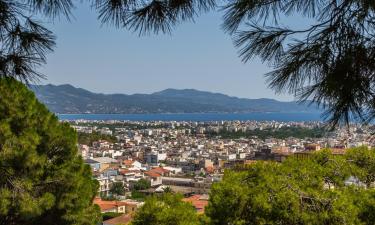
[[188, 157]]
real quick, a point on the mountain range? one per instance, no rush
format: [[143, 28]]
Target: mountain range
[[66, 99]]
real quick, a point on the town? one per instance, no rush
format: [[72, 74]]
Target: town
[[134, 159]]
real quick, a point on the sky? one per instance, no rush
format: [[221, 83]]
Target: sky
[[105, 59]]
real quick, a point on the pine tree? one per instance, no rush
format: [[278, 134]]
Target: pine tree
[[43, 180]]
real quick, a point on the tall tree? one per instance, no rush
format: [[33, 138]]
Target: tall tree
[[43, 180]]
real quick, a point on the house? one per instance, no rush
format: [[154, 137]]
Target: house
[[160, 170], [117, 206], [155, 175], [131, 164], [105, 183], [110, 206], [105, 162]]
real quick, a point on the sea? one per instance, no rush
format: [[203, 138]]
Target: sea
[[198, 117]]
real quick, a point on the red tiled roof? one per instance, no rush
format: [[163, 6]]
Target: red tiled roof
[[197, 202], [124, 171], [106, 205], [210, 169], [159, 170], [152, 174]]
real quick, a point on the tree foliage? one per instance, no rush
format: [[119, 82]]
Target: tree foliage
[[281, 133], [167, 209], [24, 41], [117, 188], [310, 191], [88, 139], [142, 184], [43, 180]]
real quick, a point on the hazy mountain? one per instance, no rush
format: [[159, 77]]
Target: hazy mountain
[[68, 99]]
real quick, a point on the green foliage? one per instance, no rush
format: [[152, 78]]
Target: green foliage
[[281, 133], [88, 139], [110, 215], [311, 191], [167, 209], [136, 195], [142, 184], [117, 188], [365, 160], [24, 41], [167, 190], [43, 180]]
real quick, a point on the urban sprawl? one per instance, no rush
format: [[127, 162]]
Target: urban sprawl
[[146, 158]]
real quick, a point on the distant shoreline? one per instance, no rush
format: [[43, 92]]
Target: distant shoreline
[[257, 116], [168, 113]]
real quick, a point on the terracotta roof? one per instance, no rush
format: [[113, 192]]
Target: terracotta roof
[[210, 169], [123, 219], [152, 174], [106, 205], [124, 171], [159, 170], [198, 201]]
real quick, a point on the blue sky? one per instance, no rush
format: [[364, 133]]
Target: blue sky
[[197, 55]]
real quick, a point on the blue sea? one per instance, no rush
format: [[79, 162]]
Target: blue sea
[[275, 116]]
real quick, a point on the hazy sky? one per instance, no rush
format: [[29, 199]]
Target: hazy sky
[[196, 55]]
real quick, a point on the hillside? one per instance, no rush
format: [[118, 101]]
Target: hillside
[[69, 99]]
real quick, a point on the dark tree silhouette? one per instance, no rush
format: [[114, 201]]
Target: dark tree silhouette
[[330, 61]]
